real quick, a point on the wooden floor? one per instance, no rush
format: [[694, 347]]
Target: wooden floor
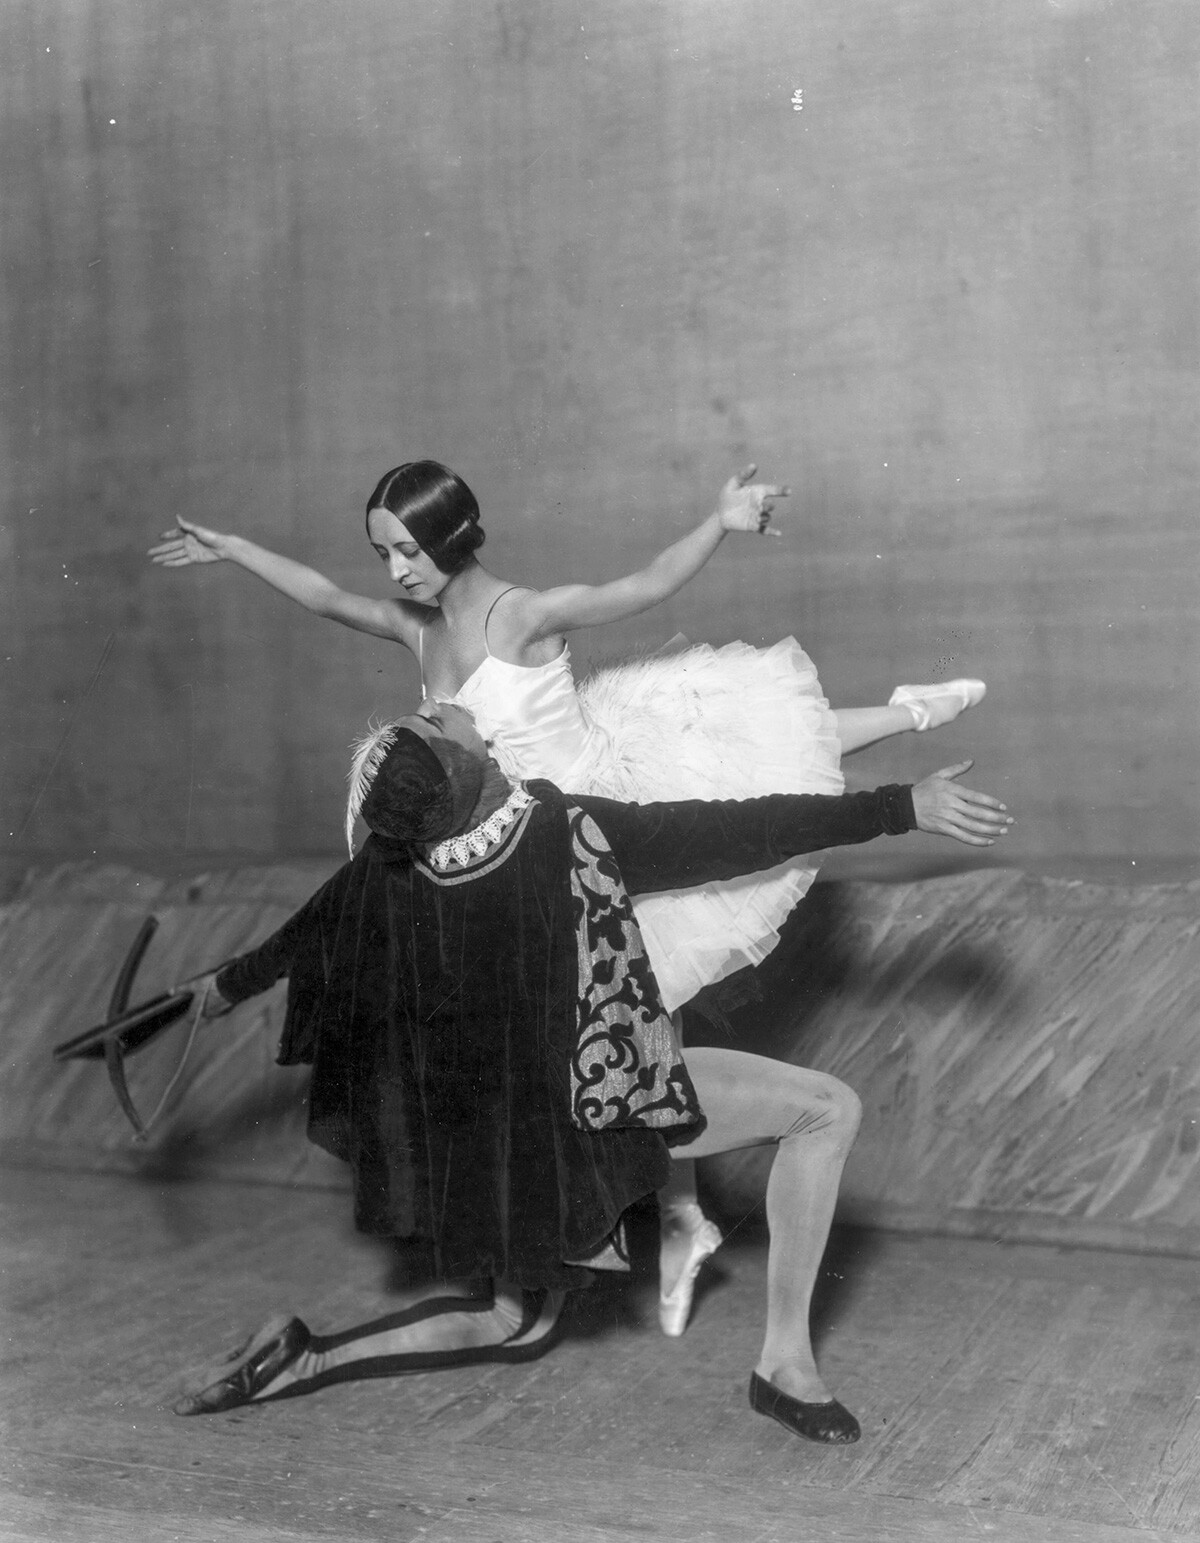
[[1006, 1392]]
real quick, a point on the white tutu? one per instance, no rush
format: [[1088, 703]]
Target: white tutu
[[731, 722]]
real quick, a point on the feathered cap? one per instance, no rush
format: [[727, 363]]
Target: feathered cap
[[404, 791]]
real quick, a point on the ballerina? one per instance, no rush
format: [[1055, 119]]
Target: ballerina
[[733, 722]]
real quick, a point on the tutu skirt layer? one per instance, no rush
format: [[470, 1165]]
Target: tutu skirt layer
[[731, 722]]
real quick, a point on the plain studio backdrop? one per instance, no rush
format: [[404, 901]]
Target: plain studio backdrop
[[932, 263]]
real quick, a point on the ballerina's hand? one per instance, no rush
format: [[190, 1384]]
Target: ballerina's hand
[[945, 809], [187, 544], [746, 505]]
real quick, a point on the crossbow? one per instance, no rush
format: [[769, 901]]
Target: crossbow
[[127, 1030]]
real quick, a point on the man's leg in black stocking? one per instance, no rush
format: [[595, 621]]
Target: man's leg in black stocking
[[285, 1359]]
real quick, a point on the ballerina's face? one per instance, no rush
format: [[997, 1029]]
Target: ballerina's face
[[408, 564], [446, 720]]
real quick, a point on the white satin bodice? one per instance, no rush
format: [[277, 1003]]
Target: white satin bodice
[[533, 719]]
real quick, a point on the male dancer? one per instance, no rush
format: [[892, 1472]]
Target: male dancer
[[491, 1056]]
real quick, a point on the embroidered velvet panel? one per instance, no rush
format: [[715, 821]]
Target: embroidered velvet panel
[[627, 1069]]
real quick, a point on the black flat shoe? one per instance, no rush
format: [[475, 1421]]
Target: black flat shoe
[[271, 1351], [830, 1422]]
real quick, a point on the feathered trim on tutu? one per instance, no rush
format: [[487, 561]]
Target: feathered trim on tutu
[[703, 722], [367, 757], [712, 723]]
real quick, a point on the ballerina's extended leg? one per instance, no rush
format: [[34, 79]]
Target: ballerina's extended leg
[[939, 703], [908, 708]]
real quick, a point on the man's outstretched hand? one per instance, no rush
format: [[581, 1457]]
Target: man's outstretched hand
[[945, 809]]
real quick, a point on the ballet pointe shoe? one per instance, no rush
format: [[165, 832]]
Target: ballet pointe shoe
[[704, 1238], [829, 1422], [940, 703]]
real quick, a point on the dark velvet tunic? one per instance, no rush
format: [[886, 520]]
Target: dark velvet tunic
[[488, 1047]]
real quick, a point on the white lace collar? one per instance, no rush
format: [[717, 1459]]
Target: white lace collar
[[459, 850]]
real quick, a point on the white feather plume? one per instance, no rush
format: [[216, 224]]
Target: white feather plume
[[368, 754]]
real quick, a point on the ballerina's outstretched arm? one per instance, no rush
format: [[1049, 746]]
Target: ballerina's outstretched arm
[[742, 505], [189, 543]]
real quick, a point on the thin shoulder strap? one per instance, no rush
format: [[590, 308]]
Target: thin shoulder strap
[[421, 658], [493, 606]]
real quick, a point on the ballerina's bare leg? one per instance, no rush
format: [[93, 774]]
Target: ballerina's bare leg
[[686, 1238], [910, 707], [861, 726]]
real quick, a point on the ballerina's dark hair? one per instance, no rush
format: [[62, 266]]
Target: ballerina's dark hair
[[437, 507]]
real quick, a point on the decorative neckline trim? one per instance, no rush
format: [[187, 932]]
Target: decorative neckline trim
[[459, 850]]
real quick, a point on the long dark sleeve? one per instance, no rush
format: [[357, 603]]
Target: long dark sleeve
[[261, 967], [678, 845]]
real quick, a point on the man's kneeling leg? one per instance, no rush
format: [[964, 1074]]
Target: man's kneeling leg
[[811, 1119]]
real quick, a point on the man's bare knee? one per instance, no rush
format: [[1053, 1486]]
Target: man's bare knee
[[826, 1106], [849, 1108]]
